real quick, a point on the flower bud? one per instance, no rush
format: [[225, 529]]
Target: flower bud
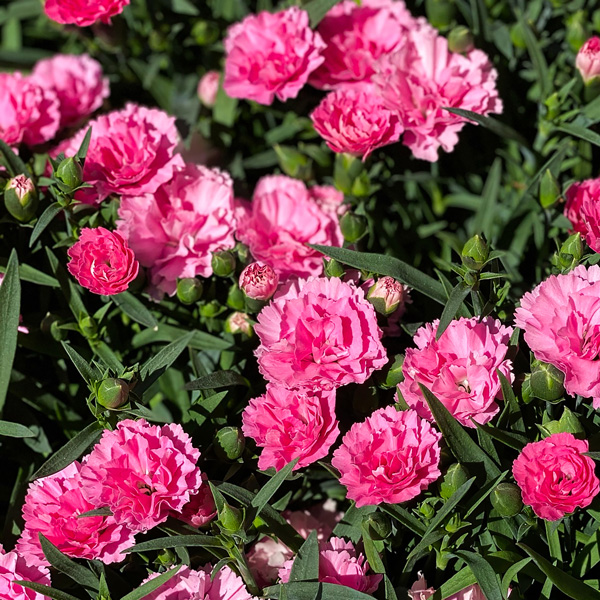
[[385, 295], [235, 298], [208, 88], [53, 323], [460, 40], [211, 309], [588, 60], [205, 33], [549, 189], [506, 499], [474, 253], [546, 382], [353, 226], [570, 253], [378, 525], [294, 163], [259, 281], [238, 322], [223, 263], [88, 326], [230, 518], [189, 290], [568, 423], [332, 268], [440, 13], [20, 198], [243, 254], [229, 443], [70, 173], [455, 476], [112, 393]]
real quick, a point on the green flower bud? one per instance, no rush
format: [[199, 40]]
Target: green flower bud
[[460, 39], [211, 309], [88, 326], [112, 393], [238, 322], [166, 558], [568, 423], [56, 331], [205, 33], [20, 198], [332, 268], [223, 263], [546, 382], [353, 226], [474, 253], [235, 298], [70, 172], [427, 510], [293, 162], [243, 254], [229, 443], [378, 525], [549, 189], [230, 519], [189, 290], [440, 13], [455, 476], [506, 499]]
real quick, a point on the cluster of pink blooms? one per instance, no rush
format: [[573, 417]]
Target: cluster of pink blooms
[[390, 74]]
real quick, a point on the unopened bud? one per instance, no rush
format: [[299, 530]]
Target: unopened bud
[[20, 198], [235, 298], [506, 499], [230, 518], [386, 295], [460, 40], [259, 281], [455, 476], [378, 525], [223, 263], [205, 33], [353, 226], [229, 443], [332, 268], [208, 88], [88, 326], [238, 322], [474, 253], [211, 309], [546, 382], [189, 290], [568, 423], [570, 253], [70, 173], [549, 189], [112, 393]]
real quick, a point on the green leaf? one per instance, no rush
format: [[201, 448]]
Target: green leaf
[[390, 592], [486, 213], [405, 518], [573, 588], [87, 370], [373, 556], [317, 9], [538, 60], [306, 563], [70, 568], [15, 430], [580, 132], [167, 333], [10, 302], [495, 126], [135, 309], [84, 146], [512, 572], [464, 578], [71, 451], [166, 357], [455, 300], [177, 541], [485, 575], [46, 590], [214, 381], [184, 7], [67, 286], [387, 265], [147, 588], [13, 162], [43, 222], [303, 590], [225, 107], [459, 441], [270, 488]]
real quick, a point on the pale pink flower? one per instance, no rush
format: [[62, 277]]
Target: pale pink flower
[[356, 36], [78, 83], [131, 152], [422, 78], [391, 457], [561, 320], [341, 564], [29, 113], [320, 333], [290, 424], [83, 12], [201, 508], [208, 86], [258, 281], [583, 210], [420, 591], [459, 368], [174, 231], [271, 55], [328, 199], [355, 121], [142, 472], [588, 59], [555, 476], [102, 262], [388, 295], [52, 507], [13, 567], [239, 322], [282, 219], [190, 584]]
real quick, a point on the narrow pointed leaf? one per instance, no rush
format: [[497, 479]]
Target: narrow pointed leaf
[[46, 590], [455, 300], [87, 370], [166, 357], [176, 541], [10, 302], [15, 430], [495, 126], [147, 588], [214, 381], [304, 590], [270, 488], [135, 309], [85, 144], [317, 9], [484, 573], [14, 163], [306, 563]]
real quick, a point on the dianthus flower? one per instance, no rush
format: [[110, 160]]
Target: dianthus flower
[[459, 368], [201, 508], [13, 567], [391, 457], [83, 12], [420, 591], [583, 210], [320, 333], [142, 472]]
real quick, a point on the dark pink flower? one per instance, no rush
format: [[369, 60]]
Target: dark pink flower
[[201, 509], [583, 210], [83, 12], [13, 567], [258, 281], [102, 262]]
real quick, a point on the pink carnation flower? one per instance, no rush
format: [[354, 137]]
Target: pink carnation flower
[[555, 477], [320, 333], [208, 87], [190, 584], [83, 12], [201, 508], [422, 78], [356, 36], [52, 507], [78, 83], [29, 113], [391, 457], [420, 591], [282, 219], [271, 54], [340, 563], [459, 368], [174, 231], [13, 567], [588, 59], [583, 210], [290, 424], [102, 262], [142, 472], [132, 152], [561, 320], [355, 121]]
